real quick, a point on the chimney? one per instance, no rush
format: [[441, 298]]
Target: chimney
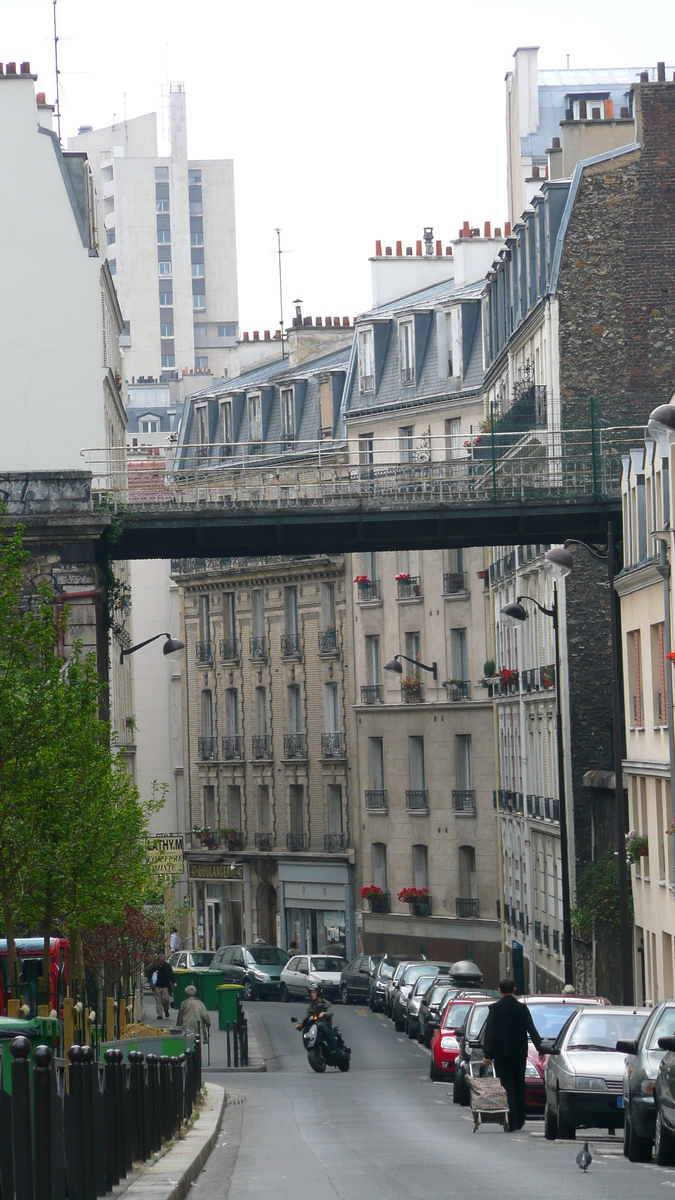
[[408, 249], [535, 168], [487, 229], [507, 229], [267, 335], [388, 250], [329, 321], [319, 321], [644, 75], [428, 240], [245, 337], [256, 335], [11, 68], [498, 231], [555, 143], [378, 249], [609, 110], [41, 98], [25, 69], [277, 335], [307, 320], [439, 249], [399, 249], [465, 230], [345, 320], [660, 72], [336, 320], [623, 111], [448, 250], [418, 249]]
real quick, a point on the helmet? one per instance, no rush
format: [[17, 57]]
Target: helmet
[[316, 987]]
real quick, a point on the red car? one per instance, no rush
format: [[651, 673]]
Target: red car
[[444, 1043]]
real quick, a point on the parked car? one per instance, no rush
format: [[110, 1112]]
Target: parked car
[[412, 1006], [191, 960], [257, 968], [404, 985], [584, 1072], [400, 965], [434, 1001], [298, 975], [383, 972], [639, 1082], [356, 976], [445, 1040], [550, 1014], [470, 1048]]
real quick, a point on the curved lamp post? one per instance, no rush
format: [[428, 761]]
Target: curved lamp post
[[172, 647], [661, 424], [395, 665], [558, 565]]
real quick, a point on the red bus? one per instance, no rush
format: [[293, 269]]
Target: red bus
[[29, 952]]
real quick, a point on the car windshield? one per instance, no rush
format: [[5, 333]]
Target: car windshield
[[480, 1012], [601, 1031], [665, 1027], [268, 956], [413, 972], [386, 970], [550, 1018], [455, 1014], [326, 964], [202, 958], [435, 994]]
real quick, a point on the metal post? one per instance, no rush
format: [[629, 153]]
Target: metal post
[[112, 1166], [624, 910], [198, 1065], [21, 1119], [593, 460], [564, 850], [182, 1085], [155, 1139], [42, 1118], [75, 1175], [88, 1122], [165, 1096], [665, 572], [135, 1097]]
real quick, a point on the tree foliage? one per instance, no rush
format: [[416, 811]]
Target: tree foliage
[[598, 896]]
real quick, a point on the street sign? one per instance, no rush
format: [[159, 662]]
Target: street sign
[[223, 870], [165, 855]]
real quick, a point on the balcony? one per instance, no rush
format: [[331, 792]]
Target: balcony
[[206, 748], [328, 643], [544, 936], [417, 800], [296, 841], [371, 693], [411, 691], [294, 745], [203, 840], [453, 582], [232, 839], [381, 903], [538, 679], [290, 645], [257, 649], [407, 375], [261, 745], [203, 652], [547, 677], [331, 745], [233, 747], [409, 587], [537, 931], [421, 907], [505, 684], [556, 941], [368, 591], [228, 650], [334, 842], [466, 908], [464, 800], [376, 800], [264, 841], [457, 689]]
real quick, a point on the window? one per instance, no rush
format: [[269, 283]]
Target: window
[[658, 674], [231, 712], [467, 872], [334, 805], [294, 709], [194, 175], [226, 331], [371, 566], [201, 331], [166, 330], [197, 237], [197, 270], [209, 806], [453, 438], [195, 205], [372, 645], [234, 806], [328, 606], [168, 361], [458, 655], [162, 206], [165, 298], [207, 714], [204, 619], [420, 867], [409, 562], [379, 852], [257, 613], [202, 422], [264, 807], [366, 360], [110, 237], [635, 716], [255, 419], [229, 621], [296, 803], [331, 708], [149, 425], [463, 761], [326, 400], [376, 763], [366, 449], [163, 236], [198, 302], [416, 763], [291, 610], [287, 414], [201, 362], [112, 263], [454, 341], [406, 441], [588, 108], [456, 561], [165, 269], [406, 352], [413, 649], [161, 174], [261, 711]]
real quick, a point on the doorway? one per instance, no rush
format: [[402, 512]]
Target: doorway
[[214, 925], [267, 913]]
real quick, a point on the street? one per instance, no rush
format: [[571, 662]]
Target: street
[[384, 1130]]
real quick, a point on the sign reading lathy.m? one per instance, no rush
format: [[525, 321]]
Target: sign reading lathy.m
[[165, 854]]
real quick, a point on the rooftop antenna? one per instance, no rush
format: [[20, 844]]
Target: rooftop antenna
[[281, 294], [57, 73]]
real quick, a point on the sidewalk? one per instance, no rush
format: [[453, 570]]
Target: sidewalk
[[216, 1061], [171, 1177]]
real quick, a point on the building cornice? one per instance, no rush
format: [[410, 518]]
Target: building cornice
[[636, 578]]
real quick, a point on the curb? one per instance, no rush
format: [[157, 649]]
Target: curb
[[174, 1174]]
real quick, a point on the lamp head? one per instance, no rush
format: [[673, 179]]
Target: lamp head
[[558, 561], [661, 425], [513, 614], [172, 647], [394, 665]]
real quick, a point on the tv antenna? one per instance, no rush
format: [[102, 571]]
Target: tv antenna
[[57, 73], [281, 293]]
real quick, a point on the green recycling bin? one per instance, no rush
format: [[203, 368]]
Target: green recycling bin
[[228, 1004], [181, 979], [42, 1031], [207, 983]]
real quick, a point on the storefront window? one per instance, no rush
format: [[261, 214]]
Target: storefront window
[[316, 931]]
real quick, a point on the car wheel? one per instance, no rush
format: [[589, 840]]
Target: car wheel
[[371, 1003], [284, 994], [344, 994], [636, 1149], [550, 1124], [249, 991], [399, 1025], [566, 1130], [664, 1143], [410, 1030], [434, 1074]]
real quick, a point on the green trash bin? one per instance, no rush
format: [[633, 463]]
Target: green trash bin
[[181, 979], [228, 1006], [207, 988], [40, 1032]]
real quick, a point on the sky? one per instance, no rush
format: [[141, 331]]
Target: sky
[[347, 121]]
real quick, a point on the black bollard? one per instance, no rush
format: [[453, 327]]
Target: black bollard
[[88, 1122], [189, 1085], [153, 1102], [126, 1110], [21, 1122], [112, 1166], [135, 1104], [42, 1122], [173, 1067], [197, 1051], [75, 1127], [183, 1082], [165, 1097], [99, 1112], [120, 1091]]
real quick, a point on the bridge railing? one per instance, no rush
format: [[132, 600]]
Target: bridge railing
[[382, 472]]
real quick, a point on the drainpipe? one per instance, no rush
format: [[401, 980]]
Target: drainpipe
[[663, 569]]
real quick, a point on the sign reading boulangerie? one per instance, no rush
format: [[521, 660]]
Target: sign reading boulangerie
[[165, 854], [223, 870]]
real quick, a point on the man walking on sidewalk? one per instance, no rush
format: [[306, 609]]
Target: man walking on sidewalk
[[506, 1032], [163, 986]]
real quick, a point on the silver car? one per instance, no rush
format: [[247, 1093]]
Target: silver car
[[584, 1073]]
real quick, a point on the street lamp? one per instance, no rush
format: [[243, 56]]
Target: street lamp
[[626, 946], [172, 647], [661, 424], [514, 615], [395, 666]]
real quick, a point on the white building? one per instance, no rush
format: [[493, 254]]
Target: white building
[[169, 237]]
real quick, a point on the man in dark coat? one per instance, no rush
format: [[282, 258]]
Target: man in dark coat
[[505, 1043]]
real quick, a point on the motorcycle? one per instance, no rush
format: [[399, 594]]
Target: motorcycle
[[319, 1055]]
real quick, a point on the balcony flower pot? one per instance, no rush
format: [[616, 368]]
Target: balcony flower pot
[[361, 579], [637, 846], [371, 890]]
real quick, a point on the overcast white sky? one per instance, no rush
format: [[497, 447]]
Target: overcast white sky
[[347, 121]]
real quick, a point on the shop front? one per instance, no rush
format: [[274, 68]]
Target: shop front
[[220, 895], [316, 909]]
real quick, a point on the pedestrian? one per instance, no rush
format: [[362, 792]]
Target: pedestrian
[[505, 1043], [193, 1015], [175, 941], [163, 986], [293, 948]]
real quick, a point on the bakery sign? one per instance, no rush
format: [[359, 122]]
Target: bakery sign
[[222, 870]]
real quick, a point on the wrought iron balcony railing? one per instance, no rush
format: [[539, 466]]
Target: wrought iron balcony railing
[[421, 907], [331, 745], [407, 374], [206, 748], [233, 839], [467, 908], [328, 643], [411, 691], [294, 745], [417, 799], [257, 649], [233, 746], [370, 590], [290, 645], [261, 745], [464, 800], [547, 677], [332, 842], [229, 651], [264, 841], [296, 841], [371, 693], [556, 941], [544, 935], [457, 689], [537, 931], [376, 799], [409, 589], [453, 582], [203, 652], [381, 903]]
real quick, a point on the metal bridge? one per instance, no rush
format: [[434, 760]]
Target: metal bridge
[[363, 493]]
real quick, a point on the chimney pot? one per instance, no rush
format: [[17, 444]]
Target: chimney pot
[[439, 249], [644, 76], [329, 321], [448, 249], [399, 249], [408, 249], [245, 337], [256, 335], [535, 169], [388, 250], [2, 68], [345, 320], [609, 109], [487, 231], [319, 321], [555, 143], [466, 229], [378, 249], [267, 335], [307, 321], [336, 320], [660, 72], [11, 68], [498, 231], [41, 97], [418, 249], [475, 232], [277, 335], [507, 229], [25, 68]]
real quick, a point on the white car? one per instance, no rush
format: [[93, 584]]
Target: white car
[[303, 970]]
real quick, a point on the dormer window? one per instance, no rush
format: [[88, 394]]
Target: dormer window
[[588, 108], [288, 416], [226, 425], [254, 418], [149, 424], [406, 346], [366, 361], [454, 342]]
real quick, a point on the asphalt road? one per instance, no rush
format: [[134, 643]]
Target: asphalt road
[[383, 1131]]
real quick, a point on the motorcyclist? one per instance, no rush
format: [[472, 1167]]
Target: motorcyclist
[[323, 1009]]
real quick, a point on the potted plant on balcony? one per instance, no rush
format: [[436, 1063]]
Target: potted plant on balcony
[[489, 673], [418, 899], [403, 577], [375, 897], [547, 677], [411, 688], [361, 579], [508, 678], [637, 846], [230, 837], [204, 834]]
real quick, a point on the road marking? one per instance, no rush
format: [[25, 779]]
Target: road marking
[[360, 1013]]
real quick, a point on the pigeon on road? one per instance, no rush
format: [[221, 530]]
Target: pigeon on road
[[584, 1158]]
